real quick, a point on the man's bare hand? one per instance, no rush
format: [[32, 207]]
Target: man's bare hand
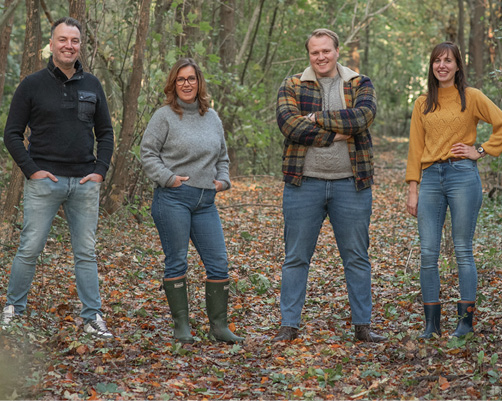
[[41, 174]]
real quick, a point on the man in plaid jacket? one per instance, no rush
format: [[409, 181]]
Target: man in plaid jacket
[[324, 114]]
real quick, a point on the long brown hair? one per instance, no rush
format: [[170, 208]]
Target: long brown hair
[[431, 103], [170, 88]]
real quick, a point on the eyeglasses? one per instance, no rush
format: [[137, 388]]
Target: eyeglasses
[[180, 81]]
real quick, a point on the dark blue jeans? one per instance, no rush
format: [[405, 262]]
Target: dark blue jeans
[[349, 211], [456, 185], [183, 213]]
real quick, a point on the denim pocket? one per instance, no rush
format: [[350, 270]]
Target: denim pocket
[[464, 165], [86, 106]]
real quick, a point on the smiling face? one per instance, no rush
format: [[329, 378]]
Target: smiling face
[[444, 68], [65, 46], [187, 84], [323, 56]]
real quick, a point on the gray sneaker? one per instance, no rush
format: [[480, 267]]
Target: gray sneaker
[[98, 328], [8, 314]]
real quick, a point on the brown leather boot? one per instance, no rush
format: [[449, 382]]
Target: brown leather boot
[[363, 333], [286, 334]]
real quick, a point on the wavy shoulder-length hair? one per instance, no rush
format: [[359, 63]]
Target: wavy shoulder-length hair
[[431, 102], [170, 88]]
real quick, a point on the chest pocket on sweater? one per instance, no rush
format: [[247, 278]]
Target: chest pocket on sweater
[[86, 106]]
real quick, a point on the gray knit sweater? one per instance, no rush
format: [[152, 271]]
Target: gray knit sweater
[[192, 146]]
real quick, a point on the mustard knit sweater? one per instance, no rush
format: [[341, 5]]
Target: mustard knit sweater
[[433, 134]]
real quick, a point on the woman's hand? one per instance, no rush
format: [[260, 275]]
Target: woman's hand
[[179, 181], [218, 185], [463, 150], [412, 201]]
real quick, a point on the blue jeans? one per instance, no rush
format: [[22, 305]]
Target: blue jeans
[[349, 211], [457, 185], [42, 199], [183, 213]]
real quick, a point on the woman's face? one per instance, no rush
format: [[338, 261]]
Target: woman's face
[[186, 84], [444, 68]]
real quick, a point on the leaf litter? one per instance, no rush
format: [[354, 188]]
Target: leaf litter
[[44, 354]]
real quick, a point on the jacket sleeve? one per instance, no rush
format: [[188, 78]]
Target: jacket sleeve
[[103, 131], [152, 143], [18, 119], [352, 120], [293, 125]]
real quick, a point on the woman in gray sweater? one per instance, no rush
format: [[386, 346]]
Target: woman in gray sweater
[[183, 152]]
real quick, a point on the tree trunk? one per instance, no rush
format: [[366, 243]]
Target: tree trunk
[[161, 9], [253, 40], [77, 11], [461, 24], [5, 33], [31, 62], [120, 173], [477, 42], [354, 58], [228, 51], [191, 33]]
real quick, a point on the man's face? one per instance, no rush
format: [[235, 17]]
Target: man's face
[[323, 56], [65, 46]]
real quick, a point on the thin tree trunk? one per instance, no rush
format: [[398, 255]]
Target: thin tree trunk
[[161, 9], [77, 11], [5, 33], [31, 62], [228, 51], [461, 24], [250, 54], [476, 42], [120, 172]]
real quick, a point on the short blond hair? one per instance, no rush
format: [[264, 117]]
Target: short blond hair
[[323, 32]]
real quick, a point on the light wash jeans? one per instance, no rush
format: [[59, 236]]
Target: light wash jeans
[[183, 213], [42, 199], [457, 185], [349, 211]]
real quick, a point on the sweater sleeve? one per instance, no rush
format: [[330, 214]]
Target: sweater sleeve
[[222, 165], [488, 111], [416, 144], [293, 125], [357, 119], [152, 142], [18, 119]]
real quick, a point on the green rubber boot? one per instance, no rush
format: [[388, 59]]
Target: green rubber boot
[[465, 314], [432, 320], [217, 303], [176, 293]]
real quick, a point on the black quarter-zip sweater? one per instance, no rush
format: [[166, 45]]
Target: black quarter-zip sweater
[[66, 117]]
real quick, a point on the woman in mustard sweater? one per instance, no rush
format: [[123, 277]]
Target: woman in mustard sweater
[[442, 158]]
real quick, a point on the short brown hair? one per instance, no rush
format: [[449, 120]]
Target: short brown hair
[[323, 32], [67, 21]]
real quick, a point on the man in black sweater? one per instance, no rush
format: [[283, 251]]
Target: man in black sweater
[[66, 111]]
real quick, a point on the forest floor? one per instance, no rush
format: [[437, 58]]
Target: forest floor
[[44, 354]]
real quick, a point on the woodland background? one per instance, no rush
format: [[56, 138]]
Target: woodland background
[[246, 48]]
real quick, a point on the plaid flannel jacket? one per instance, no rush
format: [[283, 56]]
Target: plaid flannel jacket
[[300, 95]]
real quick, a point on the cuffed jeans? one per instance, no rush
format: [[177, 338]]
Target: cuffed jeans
[[42, 199], [349, 211], [457, 185], [183, 213]]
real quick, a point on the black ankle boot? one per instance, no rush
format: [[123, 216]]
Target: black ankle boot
[[465, 314], [432, 320]]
